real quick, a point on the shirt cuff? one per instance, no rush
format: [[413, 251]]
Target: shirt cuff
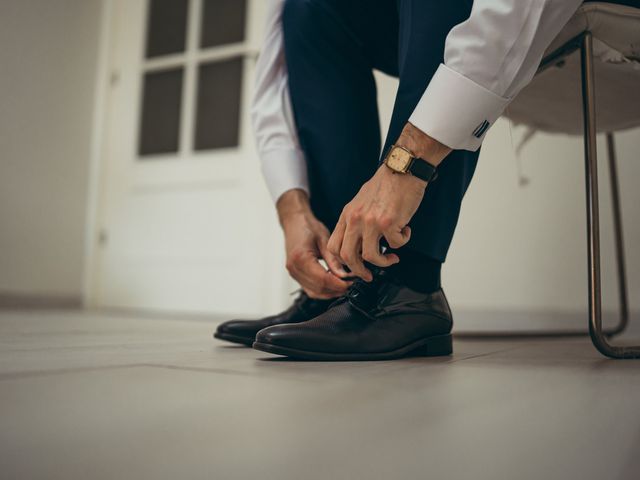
[[284, 169], [457, 111]]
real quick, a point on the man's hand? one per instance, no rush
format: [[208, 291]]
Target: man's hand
[[306, 242], [382, 208]]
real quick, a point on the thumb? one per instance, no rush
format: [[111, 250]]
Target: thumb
[[333, 262]]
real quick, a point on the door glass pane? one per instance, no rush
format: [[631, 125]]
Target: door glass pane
[[218, 104], [160, 119], [218, 101], [166, 27], [222, 22]]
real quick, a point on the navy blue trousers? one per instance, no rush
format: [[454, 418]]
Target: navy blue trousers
[[332, 48]]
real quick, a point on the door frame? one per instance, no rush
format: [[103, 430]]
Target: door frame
[[97, 157]]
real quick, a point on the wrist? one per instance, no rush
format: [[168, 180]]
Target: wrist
[[422, 145], [291, 204]]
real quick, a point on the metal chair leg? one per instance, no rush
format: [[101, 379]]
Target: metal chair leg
[[623, 297], [593, 221], [584, 43]]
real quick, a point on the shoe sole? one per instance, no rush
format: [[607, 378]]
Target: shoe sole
[[435, 346], [246, 341]]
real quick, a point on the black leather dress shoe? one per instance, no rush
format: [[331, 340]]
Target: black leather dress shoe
[[381, 320], [244, 331]]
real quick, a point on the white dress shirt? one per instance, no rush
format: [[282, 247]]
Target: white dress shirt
[[488, 59]]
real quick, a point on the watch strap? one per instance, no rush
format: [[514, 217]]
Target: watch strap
[[423, 170]]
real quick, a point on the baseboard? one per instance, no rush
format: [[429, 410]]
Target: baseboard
[[505, 322], [23, 301]]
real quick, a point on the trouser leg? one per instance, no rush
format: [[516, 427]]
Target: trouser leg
[[423, 28], [331, 47]]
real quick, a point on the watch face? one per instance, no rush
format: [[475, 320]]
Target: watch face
[[398, 159]]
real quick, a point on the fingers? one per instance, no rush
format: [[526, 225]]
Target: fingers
[[317, 281], [320, 281], [333, 261], [335, 241], [356, 240], [328, 281], [371, 249], [398, 238], [350, 253]]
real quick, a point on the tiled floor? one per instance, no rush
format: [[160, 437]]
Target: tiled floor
[[106, 396]]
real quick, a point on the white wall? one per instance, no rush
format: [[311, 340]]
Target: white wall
[[524, 247], [48, 51]]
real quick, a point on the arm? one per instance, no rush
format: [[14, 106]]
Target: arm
[[283, 163], [285, 170], [488, 59]]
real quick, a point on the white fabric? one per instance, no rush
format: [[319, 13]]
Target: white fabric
[[283, 163], [488, 59], [473, 104], [552, 102], [498, 50]]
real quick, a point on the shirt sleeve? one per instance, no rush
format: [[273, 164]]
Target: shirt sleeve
[[283, 162], [488, 59]]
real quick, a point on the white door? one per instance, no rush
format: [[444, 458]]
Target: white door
[[184, 222]]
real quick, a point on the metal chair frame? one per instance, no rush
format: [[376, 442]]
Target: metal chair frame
[[599, 336], [584, 43]]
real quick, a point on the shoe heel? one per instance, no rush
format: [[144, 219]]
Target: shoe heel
[[435, 346]]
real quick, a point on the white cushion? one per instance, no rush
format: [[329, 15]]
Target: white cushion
[[553, 100]]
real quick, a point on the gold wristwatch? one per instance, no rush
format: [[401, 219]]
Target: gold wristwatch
[[401, 160]]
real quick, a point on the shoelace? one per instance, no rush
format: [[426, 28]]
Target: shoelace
[[363, 295], [305, 303], [301, 297]]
